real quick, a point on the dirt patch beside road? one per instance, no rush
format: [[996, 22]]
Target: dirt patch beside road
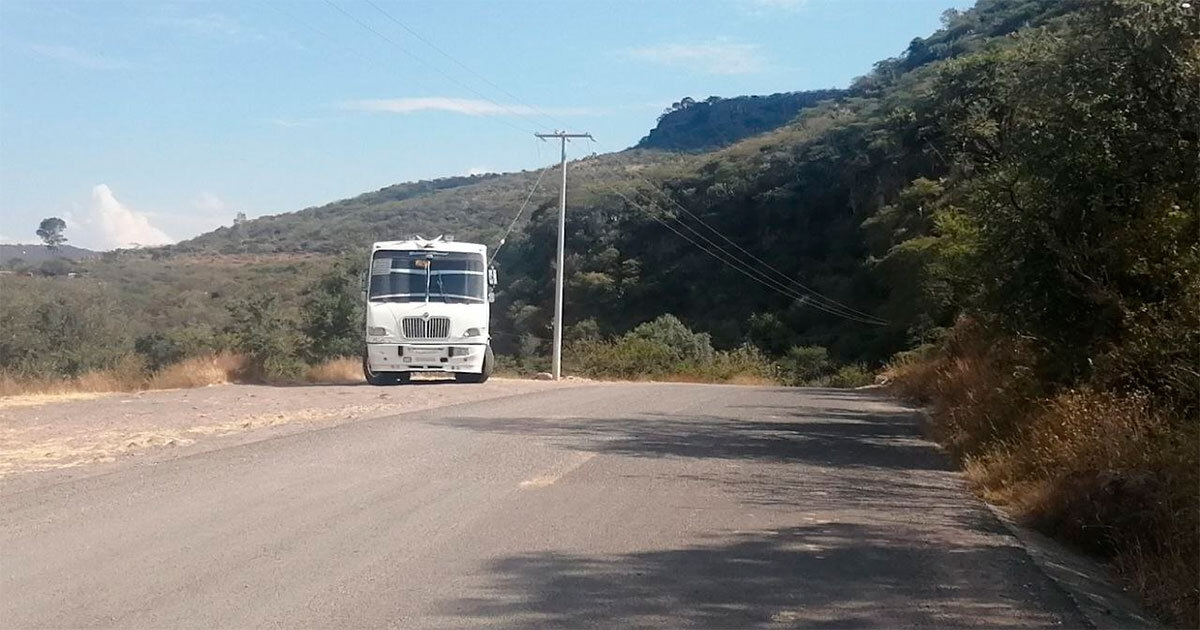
[[109, 429]]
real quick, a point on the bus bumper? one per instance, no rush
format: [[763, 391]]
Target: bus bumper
[[456, 357]]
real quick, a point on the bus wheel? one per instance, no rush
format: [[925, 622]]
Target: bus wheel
[[489, 360], [383, 378]]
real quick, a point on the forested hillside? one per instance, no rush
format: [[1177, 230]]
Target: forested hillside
[[474, 208], [16, 255], [691, 125], [1004, 218]]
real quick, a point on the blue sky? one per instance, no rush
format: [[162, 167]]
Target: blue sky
[[144, 122]]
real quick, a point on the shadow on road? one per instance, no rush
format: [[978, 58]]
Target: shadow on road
[[891, 538], [826, 436], [820, 576]]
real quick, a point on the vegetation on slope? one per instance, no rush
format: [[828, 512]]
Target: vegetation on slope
[[23, 256], [691, 125], [475, 209], [1015, 195]]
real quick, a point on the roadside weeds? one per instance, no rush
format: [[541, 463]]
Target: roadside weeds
[[130, 376], [1112, 474]]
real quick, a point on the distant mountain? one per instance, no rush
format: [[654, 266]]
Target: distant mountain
[[692, 125], [473, 208], [40, 253], [476, 208]]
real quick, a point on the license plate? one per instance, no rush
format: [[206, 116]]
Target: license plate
[[426, 352]]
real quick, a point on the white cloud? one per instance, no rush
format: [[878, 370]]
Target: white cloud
[[763, 7], [288, 123], [7, 240], [715, 57], [110, 224], [211, 25], [77, 57], [466, 106], [209, 203]]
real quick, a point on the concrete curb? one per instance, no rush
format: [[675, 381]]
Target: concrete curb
[[1083, 580]]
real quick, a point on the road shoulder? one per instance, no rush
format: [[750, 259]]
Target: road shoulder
[[1086, 582], [71, 439]]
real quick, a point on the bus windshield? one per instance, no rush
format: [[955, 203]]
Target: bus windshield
[[427, 276]]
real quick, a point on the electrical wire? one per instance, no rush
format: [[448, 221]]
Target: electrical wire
[[460, 64], [516, 218], [744, 268], [811, 297], [813, 292], [828, 301], [445, 75]]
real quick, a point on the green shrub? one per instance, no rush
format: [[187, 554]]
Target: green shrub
[[804, 364], [197, 339], [768, 332], [56, 267], [678, 340], [267, 337], [332, 315], [158, 350], [849, 376], [745, 362], [586, 330], [60, 327], [626, 357], [666, 348]]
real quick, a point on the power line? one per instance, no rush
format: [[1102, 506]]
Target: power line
[[360, 54], [464, 66], [746, 270], [421, 60], [504, 237], [757, 275], [830, 302], [814, 297]]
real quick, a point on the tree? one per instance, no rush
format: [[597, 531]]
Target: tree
[[332, 313], [55, 267], [260, 329], [50, 230]]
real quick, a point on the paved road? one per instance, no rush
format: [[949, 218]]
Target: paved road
[[597, 505]]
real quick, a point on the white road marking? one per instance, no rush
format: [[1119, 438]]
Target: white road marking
[[570, 464]]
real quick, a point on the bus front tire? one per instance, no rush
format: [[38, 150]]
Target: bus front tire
[[384, 378], [489, 360]]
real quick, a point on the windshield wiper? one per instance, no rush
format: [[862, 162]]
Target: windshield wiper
[[442, 289]]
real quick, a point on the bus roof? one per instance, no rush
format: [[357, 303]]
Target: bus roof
[[435, 245]]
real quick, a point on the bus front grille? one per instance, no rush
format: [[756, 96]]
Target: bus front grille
[[432, 328]]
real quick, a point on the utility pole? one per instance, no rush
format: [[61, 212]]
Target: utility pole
[[562, 224]]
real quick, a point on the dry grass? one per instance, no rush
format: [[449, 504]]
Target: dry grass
[[1109, 472], [342, 371], [126, 376], [749, 378], [129, 375], [197, 372]]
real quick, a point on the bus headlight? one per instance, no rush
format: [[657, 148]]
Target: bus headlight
[[472, 332], [377, 331]]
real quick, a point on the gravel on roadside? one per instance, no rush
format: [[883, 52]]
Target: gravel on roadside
[[74, 432]]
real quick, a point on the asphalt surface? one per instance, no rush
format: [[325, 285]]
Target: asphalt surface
[[596, 505]]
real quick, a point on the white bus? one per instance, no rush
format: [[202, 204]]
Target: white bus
[[427, 310]]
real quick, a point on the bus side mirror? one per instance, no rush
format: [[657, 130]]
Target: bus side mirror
[[362, 282], [491, 276]]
